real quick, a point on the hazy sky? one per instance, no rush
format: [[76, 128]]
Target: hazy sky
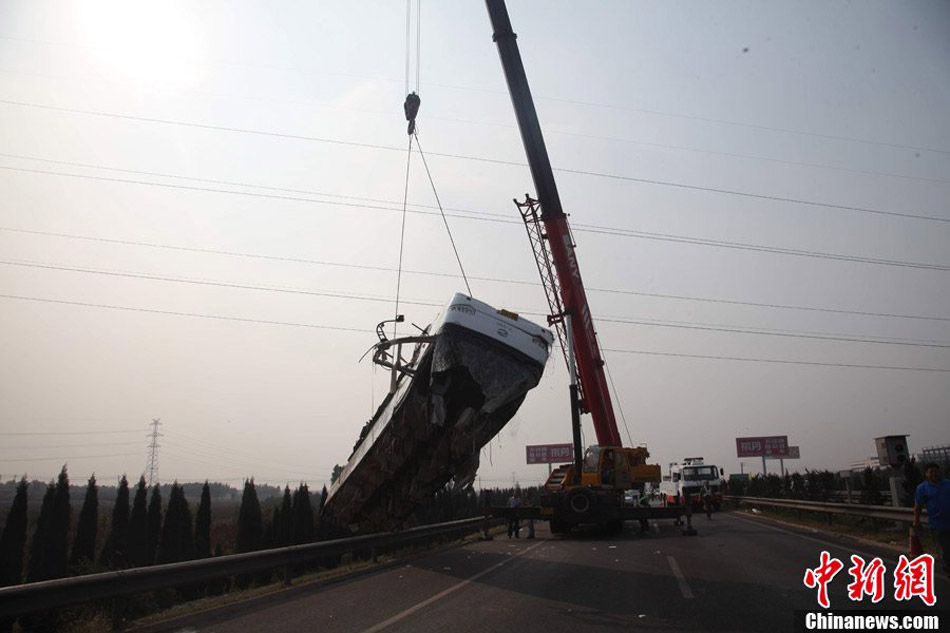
[[758, 191]]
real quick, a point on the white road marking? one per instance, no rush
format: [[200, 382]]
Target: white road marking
[[891, 558], [403, 614], [853, 550], [680, 578], [656, 526]]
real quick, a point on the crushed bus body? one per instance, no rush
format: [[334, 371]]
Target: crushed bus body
[[463, 383]]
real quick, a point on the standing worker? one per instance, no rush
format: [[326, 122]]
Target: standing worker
[[530, 502], [707, 501], [514, 501], [934, 494]]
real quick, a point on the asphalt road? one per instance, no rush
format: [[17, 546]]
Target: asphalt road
[[738, 574]]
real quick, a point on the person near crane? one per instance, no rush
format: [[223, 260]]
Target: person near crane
[[514, 526]]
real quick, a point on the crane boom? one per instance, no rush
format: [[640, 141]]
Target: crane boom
[[556, 238]]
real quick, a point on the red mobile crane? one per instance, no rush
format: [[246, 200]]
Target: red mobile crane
[[591, 490]]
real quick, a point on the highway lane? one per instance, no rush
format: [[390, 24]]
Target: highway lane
[[738, 575]]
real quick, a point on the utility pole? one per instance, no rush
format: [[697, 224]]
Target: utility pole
[[152, 467]]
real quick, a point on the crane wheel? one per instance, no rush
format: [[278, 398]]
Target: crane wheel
[[580, 503]]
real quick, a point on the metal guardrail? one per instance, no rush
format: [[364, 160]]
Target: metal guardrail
[[844, 496], [18, 600], [888, 513]]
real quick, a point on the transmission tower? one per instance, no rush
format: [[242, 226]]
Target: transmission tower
[[152, 466]]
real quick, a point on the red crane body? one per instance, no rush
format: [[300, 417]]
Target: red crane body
[[595, 397], [554, 246]]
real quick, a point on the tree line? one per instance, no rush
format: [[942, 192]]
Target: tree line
[[142, 531], [822, 485]]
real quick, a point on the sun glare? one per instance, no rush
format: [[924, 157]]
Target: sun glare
[[145, 42]]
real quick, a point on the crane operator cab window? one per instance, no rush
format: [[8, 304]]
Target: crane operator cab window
[[600, 460], [607, 471], [592, 459]]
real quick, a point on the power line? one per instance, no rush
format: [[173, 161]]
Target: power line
[[781, 306], [183, 314], [778, 361], [811, 335], [63, 459], [590, 104], [754, 126], [619, 351], [754, 157], [666, 237], [219, 284], [47, 447], [613, 139], [483, 159], [608, 319], [68, 432], [236, 183], [453, 276], [755, 196], [229, 453], [230, 463], [629, 233]]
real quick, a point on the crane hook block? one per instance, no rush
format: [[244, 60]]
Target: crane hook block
[[411, 107]]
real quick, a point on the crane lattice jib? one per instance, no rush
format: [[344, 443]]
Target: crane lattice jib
[[556, 236], [565, 296], [529, 210]]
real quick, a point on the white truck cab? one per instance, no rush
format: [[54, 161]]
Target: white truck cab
[[685, 480]]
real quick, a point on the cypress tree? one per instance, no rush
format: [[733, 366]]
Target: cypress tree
[[250, 527], [36, 568], [323, 527], [285, 535], [302, 531], [203, 524], [323, 500], [11, 546], [49, 549], [57, 543], [115, 552], [176, 543], [138, 527], [84, 546], [271, 529], [14, 539], [153, 524]]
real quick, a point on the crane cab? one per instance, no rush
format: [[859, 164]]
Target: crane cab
[[607, 467]]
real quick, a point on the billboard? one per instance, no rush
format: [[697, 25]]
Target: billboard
[[770, 446], [550, 453], [794, 452]]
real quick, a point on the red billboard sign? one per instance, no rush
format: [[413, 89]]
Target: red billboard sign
[[772, 446], [550, 453]]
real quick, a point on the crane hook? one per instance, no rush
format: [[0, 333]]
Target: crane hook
[[411, 108]]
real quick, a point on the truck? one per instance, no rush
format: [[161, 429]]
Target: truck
[[685, 480], [592, 489]]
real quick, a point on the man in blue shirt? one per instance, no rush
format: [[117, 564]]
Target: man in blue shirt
[[934, 494]]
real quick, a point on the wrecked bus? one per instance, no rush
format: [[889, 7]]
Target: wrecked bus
[[467, 375]]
